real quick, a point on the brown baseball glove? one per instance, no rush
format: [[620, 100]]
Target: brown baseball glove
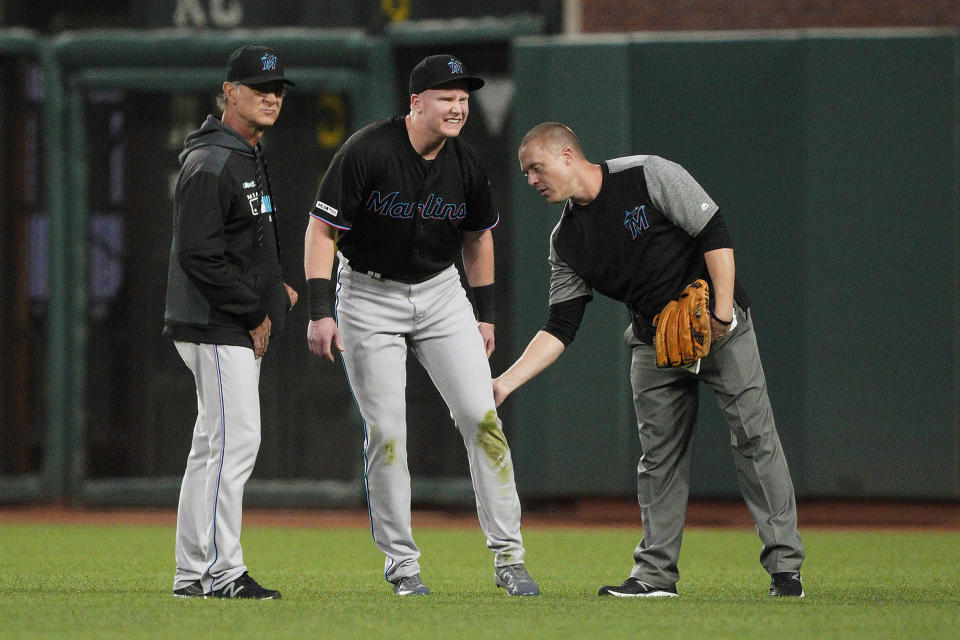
[[683, 327]]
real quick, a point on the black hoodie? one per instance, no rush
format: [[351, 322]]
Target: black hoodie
[[224, 276]]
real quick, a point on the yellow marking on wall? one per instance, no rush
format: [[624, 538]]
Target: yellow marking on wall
[[396, 10], [332, 128]]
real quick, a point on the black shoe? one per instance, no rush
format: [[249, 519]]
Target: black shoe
[[192, 590], [246, 587], [786, 583], [635, 588]]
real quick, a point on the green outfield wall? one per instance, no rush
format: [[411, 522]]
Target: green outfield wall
[[833, 157]]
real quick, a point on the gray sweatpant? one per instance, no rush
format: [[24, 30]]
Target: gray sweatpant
[[379, 321], [666, 402]]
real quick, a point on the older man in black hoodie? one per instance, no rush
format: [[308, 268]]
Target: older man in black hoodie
[[225, 298]]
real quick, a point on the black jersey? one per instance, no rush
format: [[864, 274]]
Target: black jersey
[[636, 242], [402, 216]]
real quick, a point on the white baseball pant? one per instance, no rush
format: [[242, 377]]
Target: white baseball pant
[[378, 321], [226, 438]]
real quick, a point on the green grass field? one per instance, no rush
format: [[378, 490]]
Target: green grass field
[[73, 581]]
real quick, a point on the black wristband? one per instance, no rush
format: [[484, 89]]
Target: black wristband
[[486, 303], [723, 322], [320, 298]]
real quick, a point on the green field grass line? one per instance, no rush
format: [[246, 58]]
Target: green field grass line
[[73, 581]]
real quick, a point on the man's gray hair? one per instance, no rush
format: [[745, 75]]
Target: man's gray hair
[[222, 98]]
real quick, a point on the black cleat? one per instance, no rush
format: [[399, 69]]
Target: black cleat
[[635, 588], [246, 587], [192, 590], [786, 583]]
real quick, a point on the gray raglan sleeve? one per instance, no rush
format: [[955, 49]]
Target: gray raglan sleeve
[[678, 195], [565, 284]]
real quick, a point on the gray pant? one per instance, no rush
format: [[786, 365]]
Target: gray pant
[[666, 402], [380, 321], [226, 439]]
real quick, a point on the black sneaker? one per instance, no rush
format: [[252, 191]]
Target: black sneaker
[[246, 587], [635, 588], [192, 590], [786, 583]]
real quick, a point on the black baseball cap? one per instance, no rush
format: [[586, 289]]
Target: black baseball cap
[[434, 71], [255, 64]]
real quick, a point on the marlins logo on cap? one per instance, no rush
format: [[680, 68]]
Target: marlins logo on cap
[[434, 71], [255, 64]]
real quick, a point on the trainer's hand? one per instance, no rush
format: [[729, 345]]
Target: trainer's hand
[[323, 336], [261, 336], [719, 329], [486, 331], [292, 294]]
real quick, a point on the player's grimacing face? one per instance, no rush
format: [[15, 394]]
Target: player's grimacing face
[[545, 170], [259, 105], [445, 109]]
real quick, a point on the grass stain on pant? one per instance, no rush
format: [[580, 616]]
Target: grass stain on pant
[[390, 452], [490, 437]]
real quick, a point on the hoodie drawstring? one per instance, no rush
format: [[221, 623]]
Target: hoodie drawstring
[[263, 184]]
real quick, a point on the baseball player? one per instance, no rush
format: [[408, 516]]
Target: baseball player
[[637, 229], [225, 298], [404, 195]]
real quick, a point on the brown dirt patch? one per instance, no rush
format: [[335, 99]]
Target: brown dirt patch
[[591, 513]]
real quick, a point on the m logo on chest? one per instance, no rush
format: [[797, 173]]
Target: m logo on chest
[[636, 221]]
